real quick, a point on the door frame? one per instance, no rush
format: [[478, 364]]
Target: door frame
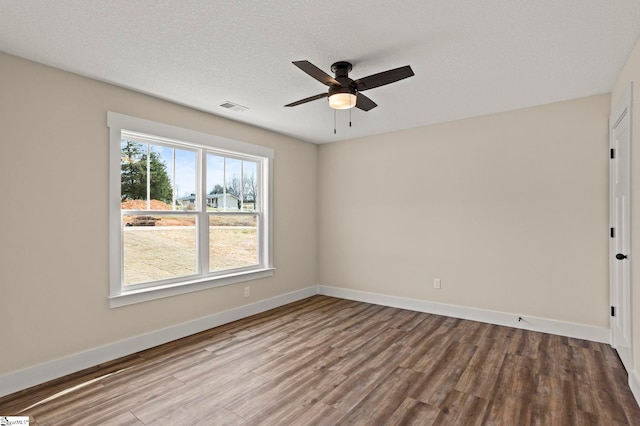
[[623, 107]]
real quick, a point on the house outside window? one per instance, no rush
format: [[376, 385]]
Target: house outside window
[[188, 210]]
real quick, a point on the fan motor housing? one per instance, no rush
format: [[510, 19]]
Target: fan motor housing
[[342, 89], [341, 69]]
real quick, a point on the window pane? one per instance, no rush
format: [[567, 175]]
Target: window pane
[[233, 241], [215, 181], [158, 247], [185, 181], [146, 176], [161, 174], [133, 174], [250, 185], [233, 176]]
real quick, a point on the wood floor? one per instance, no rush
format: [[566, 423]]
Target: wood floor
[[327, 361]]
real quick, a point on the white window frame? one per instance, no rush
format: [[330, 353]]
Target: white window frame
[[119, 295]]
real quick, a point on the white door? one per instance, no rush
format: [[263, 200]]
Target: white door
[[620, 238]]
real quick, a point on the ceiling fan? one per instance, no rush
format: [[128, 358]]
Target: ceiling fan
[[345, 93]]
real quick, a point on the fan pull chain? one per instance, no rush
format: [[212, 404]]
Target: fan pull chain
[[334, 121], [350, 116]]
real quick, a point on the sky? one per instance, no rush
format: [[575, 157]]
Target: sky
[[184, 171]]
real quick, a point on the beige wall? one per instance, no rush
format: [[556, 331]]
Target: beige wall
[[509, 210], [631, 73], [54, 223]]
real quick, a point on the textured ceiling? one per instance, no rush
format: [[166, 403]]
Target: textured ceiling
[[469, 57]]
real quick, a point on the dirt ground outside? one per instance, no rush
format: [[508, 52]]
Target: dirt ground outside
[[157, 253], [163, 246]]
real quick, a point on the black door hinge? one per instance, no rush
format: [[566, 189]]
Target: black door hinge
[[612, 153], [613, 232], [613, 311]]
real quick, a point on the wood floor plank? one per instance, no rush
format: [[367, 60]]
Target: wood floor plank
[[110, 402], [442, 377], [360, 356], [428, 351], [261, 398], [588, 419], [481, 374], [294, 405], [426, 330], [598, 394], [358, 385], [295, 361], [384, 400], [207, 389], [516, 378], [554, 358], [525, 343], [120, 419], [468, 331], [554, 402], [309, 336], [110, 416], [407, 320], [619, 381], [506, 410], [412, 412], [319, 414], [16, 403], [63, 405], [151, 369], [239, 343], [462, 409], [226, 368], [328, 361], [200, 414]]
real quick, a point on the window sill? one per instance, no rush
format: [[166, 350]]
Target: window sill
[[147, 294]]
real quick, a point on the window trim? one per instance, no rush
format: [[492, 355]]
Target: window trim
[[118, 296]]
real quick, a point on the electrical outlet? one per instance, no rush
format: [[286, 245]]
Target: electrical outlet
[[247, 291], [436, 283]]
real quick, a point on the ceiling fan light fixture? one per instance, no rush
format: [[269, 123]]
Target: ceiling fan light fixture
[[344, 92], [344, 100]]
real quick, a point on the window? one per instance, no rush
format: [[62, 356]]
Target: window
[[188, 210]]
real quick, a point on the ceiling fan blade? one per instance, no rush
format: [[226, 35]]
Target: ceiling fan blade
[[382, 78], [316, 73], [305, 100], [364, 103]]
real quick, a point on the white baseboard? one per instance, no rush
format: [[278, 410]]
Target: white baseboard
[[23, 379], [579, 331], [634, 384]]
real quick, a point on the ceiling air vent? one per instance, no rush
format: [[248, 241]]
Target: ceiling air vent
[[233, 107]]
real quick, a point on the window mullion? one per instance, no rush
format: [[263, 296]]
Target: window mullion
[[148, 177], [257, 207], [224, 184], [203, 219], [174, 190], [242, 185]]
